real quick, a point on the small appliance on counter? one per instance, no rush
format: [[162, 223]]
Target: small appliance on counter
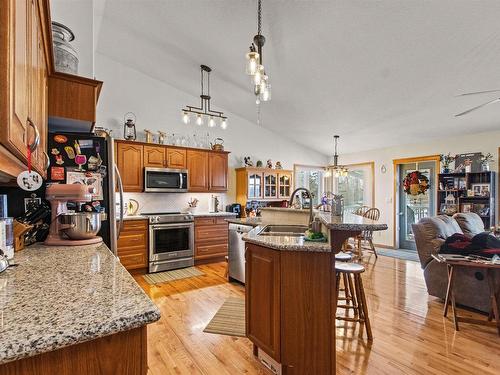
[[234, 208], [71, 228]]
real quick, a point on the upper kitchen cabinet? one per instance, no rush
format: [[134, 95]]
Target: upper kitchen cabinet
[[284, 184], [25, 63], [154, 156], [217, 171], [176, 158], [197, 163], [72, 102], [130, 163]]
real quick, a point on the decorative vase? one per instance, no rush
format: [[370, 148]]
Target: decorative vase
[[446, 169], [65, 56]]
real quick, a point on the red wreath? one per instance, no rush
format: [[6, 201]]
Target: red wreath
[[415, 183]]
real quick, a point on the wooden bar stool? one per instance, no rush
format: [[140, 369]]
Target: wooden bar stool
[[348, 287], [352, 272]]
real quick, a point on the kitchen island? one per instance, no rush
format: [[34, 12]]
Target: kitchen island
[[290, 295], [72, 310]]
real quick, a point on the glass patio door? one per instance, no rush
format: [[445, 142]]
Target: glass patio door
[[413, 207]]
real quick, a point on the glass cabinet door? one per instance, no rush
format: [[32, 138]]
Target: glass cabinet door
[[285, 185], [270, 185], [254, 185]]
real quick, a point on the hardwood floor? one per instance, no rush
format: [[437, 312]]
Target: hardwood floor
[[410, 334]]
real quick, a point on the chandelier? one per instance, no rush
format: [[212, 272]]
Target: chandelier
[[204, 111], [254, 66], [336, 169]]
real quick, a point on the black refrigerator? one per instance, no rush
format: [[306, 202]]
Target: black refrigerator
[[80, 158]]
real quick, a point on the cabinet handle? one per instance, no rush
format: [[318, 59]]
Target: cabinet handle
[[47, 164], [33, 146]]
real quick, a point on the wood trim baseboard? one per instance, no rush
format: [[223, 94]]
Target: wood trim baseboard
[[384, 246]]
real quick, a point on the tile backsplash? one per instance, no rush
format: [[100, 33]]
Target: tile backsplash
[[165, 202]]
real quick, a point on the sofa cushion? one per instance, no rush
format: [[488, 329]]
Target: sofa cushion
[[441, 226], [470, 223]]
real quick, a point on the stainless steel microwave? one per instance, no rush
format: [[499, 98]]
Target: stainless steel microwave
[[165, 180]]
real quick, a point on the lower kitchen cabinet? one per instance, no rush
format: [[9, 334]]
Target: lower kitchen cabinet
[[211, 239], [133, 244]]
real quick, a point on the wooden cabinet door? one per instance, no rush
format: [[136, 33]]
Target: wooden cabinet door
[[262, 297], [176, 158], [14, 134], [197, 163], [217, 169], [154, 156], [285, 184], [254, 185], [270, 185], [129, 160]]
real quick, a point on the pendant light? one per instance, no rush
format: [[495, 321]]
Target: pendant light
[[254, 64], [204, 109], [336, 169]]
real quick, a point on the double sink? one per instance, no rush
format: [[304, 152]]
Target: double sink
[[284, 230]]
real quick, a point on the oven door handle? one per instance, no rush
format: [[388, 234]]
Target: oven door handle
[[171, 226]]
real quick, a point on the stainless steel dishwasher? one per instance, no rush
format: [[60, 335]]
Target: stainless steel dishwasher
[[237, 251]]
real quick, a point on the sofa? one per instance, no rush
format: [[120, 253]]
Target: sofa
[[471, 285]]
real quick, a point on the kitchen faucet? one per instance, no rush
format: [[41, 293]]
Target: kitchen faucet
[[290, 202]]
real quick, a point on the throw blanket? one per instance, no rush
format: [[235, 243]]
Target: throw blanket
[[483, 244]]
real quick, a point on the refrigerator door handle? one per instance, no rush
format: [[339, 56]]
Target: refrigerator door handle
[[120, 190]]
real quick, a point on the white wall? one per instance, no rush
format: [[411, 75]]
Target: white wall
[[384, 183], [158, 105], [78, 15]]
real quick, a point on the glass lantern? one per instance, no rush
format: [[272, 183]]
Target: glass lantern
[[129, 132]]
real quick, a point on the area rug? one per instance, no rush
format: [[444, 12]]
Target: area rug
[[163, 277], [230, 319], [404, 254]]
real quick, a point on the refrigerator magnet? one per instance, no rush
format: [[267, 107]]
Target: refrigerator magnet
[[59, 160], [70, 152], [86, 143], [59, 138], [57, 173]]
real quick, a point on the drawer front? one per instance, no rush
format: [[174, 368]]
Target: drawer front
[[134, 261], [135, 239], [198, 221], [210, 250], [212, 232], [135, 225], [222, 220]]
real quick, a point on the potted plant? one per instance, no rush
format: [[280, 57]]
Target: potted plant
[[485, 162], [446, 160]]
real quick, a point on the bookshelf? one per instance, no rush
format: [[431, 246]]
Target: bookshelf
[[468, 192]]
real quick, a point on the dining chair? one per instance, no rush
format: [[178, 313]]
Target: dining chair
[[367, 235]]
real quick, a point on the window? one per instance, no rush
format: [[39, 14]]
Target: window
[[357, 187], [311, 178]]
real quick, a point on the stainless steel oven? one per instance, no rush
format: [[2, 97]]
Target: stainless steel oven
[[171, 242], [165, 180]]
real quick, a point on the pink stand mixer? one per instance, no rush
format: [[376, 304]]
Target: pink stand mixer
[[71, 228]]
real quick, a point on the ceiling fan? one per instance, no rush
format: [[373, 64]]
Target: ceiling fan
[[481, 105]]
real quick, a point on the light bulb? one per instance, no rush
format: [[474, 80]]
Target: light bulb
[[223, 124], [337, 174], [211, 122], [185, 118], [328, 173], [252, 62], [199, 120], [257, 77]]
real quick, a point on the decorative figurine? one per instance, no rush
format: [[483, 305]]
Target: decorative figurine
[[149, 136], [269, 163], [278, 165], [248, 161], [259, 164], [161, 137]]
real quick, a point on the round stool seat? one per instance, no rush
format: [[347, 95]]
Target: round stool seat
[[343, 257], [349, 267]]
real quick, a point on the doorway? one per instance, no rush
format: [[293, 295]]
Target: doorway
[[412, 206]]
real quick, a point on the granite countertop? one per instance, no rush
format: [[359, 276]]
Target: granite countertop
[[253, 221], [61, 296], [349, 222], [197, 214], [285, 243]]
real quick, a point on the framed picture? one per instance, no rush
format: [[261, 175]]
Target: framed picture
[[481, 190], [466, 207], [470, 162]]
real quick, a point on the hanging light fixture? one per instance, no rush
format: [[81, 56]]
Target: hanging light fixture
[[204, 109], [336, 169], [254, 66]]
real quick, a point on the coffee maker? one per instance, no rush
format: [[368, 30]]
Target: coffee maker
[[71, 228]]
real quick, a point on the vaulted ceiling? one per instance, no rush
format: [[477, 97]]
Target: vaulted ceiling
[[378, 73]]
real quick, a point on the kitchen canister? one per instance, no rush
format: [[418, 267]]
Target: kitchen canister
[[7, 236], [65, 55]]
